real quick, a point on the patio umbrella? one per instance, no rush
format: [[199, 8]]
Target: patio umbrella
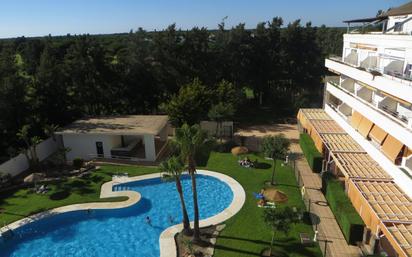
[[274, 195], [32, 178], [238, 150]]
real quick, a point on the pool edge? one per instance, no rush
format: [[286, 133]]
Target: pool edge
[[167, 242]]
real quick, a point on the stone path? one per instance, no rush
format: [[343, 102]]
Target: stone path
[[329, 232]]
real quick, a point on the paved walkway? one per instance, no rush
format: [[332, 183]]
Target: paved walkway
[[328, 228]]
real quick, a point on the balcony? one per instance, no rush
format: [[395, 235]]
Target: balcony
[[392, 85], [386, 105]]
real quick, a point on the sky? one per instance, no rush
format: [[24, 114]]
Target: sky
[[60, 17]]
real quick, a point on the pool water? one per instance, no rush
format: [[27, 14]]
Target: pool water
[[119, 232]]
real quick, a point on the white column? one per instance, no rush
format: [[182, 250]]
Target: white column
[[149, 147]]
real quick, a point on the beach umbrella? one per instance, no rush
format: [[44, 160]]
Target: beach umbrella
[[32, 178], [274, 195], [238, 150]]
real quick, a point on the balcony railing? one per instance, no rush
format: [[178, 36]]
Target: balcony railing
[[384, 109], [376, 71]]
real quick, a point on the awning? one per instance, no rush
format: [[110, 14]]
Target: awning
[[356, 119], [364, 20], [391, 148], [364, 127], [377, 134]]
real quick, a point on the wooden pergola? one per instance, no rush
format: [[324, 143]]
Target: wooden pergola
[[341, 143], [383, 206], [400, 237], [357, 165]]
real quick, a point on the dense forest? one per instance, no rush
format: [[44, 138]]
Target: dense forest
[[55, 80]]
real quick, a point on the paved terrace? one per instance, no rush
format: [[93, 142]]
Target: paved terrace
[[383, 206]]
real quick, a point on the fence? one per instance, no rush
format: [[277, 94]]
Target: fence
[[18, 164], [310, 206]]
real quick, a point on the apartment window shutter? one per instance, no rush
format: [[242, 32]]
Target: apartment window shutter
[[365, 126], [377, 134], [356, 119], [391, 148]]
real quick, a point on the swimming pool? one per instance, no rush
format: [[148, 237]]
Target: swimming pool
[[119, 232]]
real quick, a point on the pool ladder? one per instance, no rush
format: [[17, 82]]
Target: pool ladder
[[121, 188]]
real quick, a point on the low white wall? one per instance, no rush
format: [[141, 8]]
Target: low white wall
[[84, 145], [20, 163]]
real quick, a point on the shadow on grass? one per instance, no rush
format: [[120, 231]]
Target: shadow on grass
[[246, 239], [60, 195], [262, 166], [202, 156], [230, 249]]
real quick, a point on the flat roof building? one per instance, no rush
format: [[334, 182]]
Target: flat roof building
[[131, 137]]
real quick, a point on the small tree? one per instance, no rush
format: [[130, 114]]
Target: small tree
[[218, 113], [190, 105], [50, 130], [279, 219], [275, 147], [31, 144]]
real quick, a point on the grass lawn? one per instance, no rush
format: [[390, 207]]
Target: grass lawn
[[19, 204], [246, 234]]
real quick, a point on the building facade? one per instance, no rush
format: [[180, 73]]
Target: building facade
[[364, 130]]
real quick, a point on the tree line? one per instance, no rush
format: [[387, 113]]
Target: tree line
[[55, 80]]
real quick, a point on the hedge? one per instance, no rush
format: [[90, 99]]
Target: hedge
[[347, 217], [313, 156]]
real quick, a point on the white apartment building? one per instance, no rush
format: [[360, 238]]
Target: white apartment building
[[365, 128]]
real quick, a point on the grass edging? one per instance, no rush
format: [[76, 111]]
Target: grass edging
[[347, 217], [312, 155]]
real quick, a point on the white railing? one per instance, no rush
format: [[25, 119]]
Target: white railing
[[401, 78], [395, 116]]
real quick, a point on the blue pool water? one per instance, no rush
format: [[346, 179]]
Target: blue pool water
[[119, 232]]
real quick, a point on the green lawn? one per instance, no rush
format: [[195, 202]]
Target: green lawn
[[246, 234], [19, 204]]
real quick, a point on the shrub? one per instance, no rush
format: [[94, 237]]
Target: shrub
[[313, 156], [347, 217], [5, 179], [78, 163]]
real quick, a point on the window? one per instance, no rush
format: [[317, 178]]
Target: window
[[398, 27]]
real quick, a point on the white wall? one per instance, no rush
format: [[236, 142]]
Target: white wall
[[84, 145], [20, 163], [406, 28], [149, 147]]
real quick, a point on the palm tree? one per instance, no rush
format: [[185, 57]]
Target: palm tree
[[174, 168], [275, 147], [188, 140]]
